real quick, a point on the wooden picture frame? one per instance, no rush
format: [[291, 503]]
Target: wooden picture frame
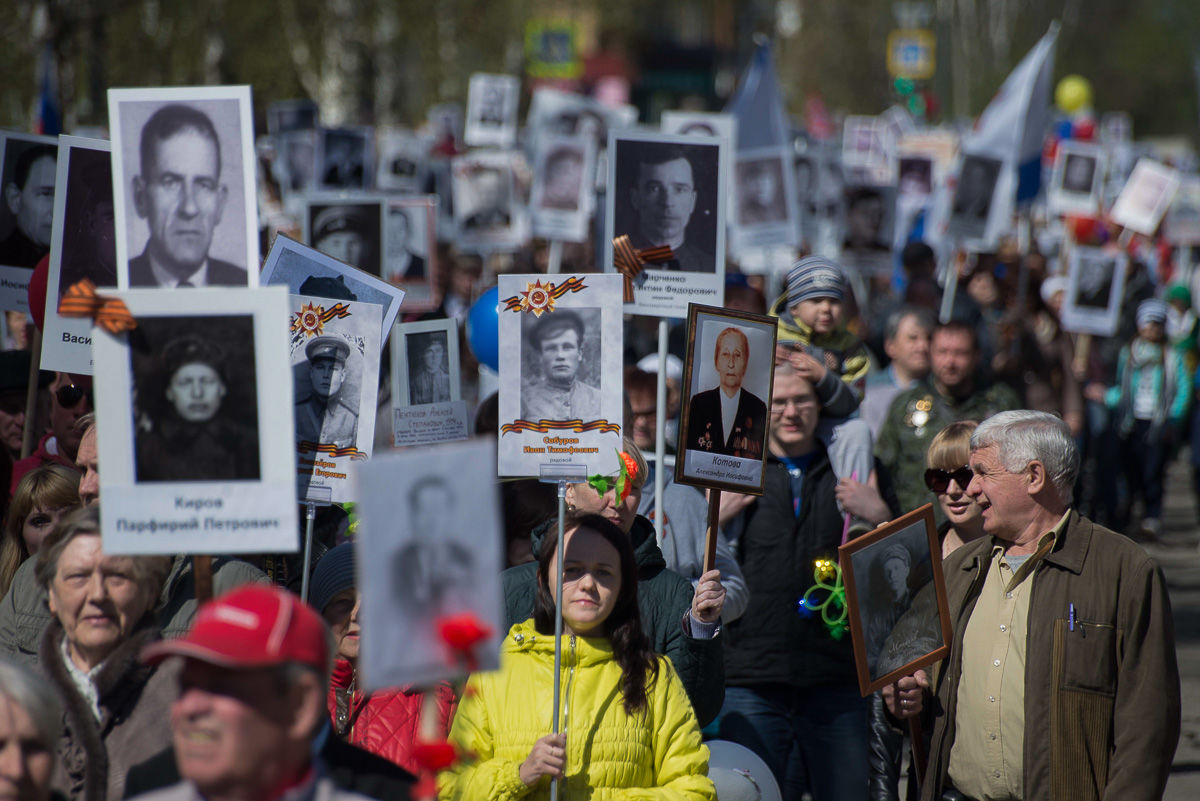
[[725, 462], [891, 642]]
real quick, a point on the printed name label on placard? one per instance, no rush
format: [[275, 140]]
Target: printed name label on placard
[[430, 423], [717, 467]]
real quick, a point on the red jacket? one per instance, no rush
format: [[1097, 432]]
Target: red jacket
[[386, 723]]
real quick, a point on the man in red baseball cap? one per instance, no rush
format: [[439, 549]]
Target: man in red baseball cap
[[251, 700]]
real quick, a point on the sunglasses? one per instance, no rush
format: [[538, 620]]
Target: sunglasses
[[70, 395], [938, 481]]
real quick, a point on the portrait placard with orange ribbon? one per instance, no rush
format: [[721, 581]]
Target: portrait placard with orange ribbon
[[560, 372]]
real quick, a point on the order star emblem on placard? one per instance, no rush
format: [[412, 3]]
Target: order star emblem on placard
[[537, 298], [308, 321]]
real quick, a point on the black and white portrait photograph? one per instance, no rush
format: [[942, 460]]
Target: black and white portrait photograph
[[554, 111], [444, 560], [196, 406], [184, 187], [766, 199], [861, 142], [85, 246], [485, 201], [916, 175], [867, 234], [492, 110], [346, 157], [426, 363], [1095, 287], [335, 370], [285, 116], [1077, 179], [700, 123], [564, 182], [306, 271], [669, 190], [445, 123], [197, 451], [28, 169], [411, 254], [1147, 194], [560, 365], [402, 155], [427, 405], [1183, 216], [972, 201], [567, 330], [896, 598], [295, 164], [348, 227], [728, 375]]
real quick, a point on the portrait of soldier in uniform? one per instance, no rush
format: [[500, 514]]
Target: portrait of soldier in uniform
[[433, 571], [558, 393], [489, 189], [29, 198], [188, 428], [324, 416], [429, 378], [727, 419]]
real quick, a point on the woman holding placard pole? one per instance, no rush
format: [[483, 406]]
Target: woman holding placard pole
[[626, 721]]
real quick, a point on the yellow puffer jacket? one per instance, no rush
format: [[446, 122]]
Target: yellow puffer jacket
[[654, 754]]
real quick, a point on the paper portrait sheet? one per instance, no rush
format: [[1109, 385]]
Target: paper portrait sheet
[[285, 116], [765, 198], [1183, 218], [410, 248], [334, 351], [430, 547], [560, 391], [564, 188], [728, 375], [554, 111], [349, 226], [346, 158], [669, 190], [192, 219], [1095, 287], [486, 204], [1147, 194], [868, 232], [492, 110], [1077, 179], [305, 271], [83, 246], [197, 434], [25, 234], [402, 155], [427, 403]]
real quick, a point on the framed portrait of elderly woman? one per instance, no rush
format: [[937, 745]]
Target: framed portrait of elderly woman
[[896, 599], [727, 380], [197, 433], [427, 403]]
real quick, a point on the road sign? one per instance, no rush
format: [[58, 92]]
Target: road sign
[[910, 53]]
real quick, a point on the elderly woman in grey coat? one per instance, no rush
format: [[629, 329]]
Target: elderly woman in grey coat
[[116, 710]]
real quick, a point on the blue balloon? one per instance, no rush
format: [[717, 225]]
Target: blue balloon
[[483, 329], [1063, 130]]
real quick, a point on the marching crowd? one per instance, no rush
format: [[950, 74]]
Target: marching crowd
[[1035, 446]]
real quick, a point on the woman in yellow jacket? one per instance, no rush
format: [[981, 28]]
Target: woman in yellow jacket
[[628, 730]]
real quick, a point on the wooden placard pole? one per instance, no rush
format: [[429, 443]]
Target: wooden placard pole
[[203, 579], [919, 757], [710, 532]]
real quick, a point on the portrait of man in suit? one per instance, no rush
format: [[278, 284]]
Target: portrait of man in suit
[[663, 199], [434, 571], [180, 194], [727, 419]]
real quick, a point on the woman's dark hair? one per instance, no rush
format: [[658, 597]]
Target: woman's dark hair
[[623, 628]]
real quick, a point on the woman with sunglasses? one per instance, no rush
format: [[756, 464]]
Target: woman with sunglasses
[[947, 478]]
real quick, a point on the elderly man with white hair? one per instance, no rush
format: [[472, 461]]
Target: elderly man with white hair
[[1078, 610]]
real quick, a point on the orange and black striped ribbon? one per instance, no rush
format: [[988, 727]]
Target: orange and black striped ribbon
[[630, 262], [111, 314], [556, 291], [543, 426]]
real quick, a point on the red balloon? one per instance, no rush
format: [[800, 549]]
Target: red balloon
[[1084, 129], [37, 291]]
